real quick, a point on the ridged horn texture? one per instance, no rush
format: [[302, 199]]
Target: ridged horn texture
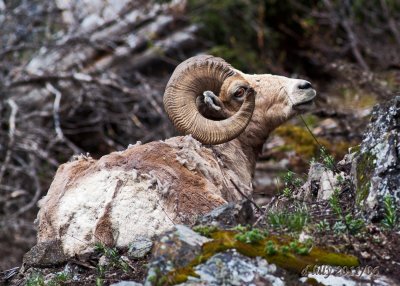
[[189, 80]]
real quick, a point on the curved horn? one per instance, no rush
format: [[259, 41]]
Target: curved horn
[[189, 80]]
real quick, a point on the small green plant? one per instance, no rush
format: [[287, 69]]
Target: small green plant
[[353, 225], [299, 248], [390, 220], [152, 278], [205, 230], [101, 273], [287, 192], [303, 250], [36, 279], [293, 222], [59, 279], [323, 225], [240, 228], [270, 248], [340, 179], [99, 281], [285, 249], [288, 177], [298, 182], [251, 236], [334, 203], [62, 276], [113, 256], [109, 252], [327, 159], [339, 227], [347, 221], [291, 181]]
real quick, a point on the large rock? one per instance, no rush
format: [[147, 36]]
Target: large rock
[[376, 166], [45, 254], [373, 168], [229, 215], [320, 184], [174, 249], [233, 268]]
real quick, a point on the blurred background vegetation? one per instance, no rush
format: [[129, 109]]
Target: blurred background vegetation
[[300, 37], [74, 80]]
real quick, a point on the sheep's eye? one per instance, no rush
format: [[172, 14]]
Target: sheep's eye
[[239, 92]]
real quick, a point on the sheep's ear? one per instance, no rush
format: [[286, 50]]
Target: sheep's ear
[[210, 106]]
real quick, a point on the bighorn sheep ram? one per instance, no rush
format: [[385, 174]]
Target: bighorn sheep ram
[[143, 190]]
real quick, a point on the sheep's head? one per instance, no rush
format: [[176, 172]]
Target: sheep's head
[[209, 99], [279, 98]]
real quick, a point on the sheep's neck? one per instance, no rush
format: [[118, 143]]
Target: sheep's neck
[[240, 155], [251, 143]]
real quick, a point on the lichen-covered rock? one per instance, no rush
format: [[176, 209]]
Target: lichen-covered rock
[[229, 215], [233, 268], [320, 184], [140, 247], [373, 167], [376, 166], [45, 254], [175, 249]]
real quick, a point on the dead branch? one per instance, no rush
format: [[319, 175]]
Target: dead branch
[[11, 133], [83, 89]]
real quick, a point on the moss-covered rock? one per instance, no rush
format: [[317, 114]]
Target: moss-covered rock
[[180, 253], [376, 166]]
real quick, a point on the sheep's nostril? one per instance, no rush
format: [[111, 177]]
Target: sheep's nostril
[[304, 85]]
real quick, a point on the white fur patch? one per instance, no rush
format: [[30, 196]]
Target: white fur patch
[[136, 210]]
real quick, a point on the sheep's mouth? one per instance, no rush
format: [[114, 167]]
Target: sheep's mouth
[[304, 104], [307, 103]]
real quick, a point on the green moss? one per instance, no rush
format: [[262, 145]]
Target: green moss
[[356, 98], [205, 230], [297, 139], [282, 251], [390, 79], [355, 149], [301, 141], [311, 120], [365, 166]]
